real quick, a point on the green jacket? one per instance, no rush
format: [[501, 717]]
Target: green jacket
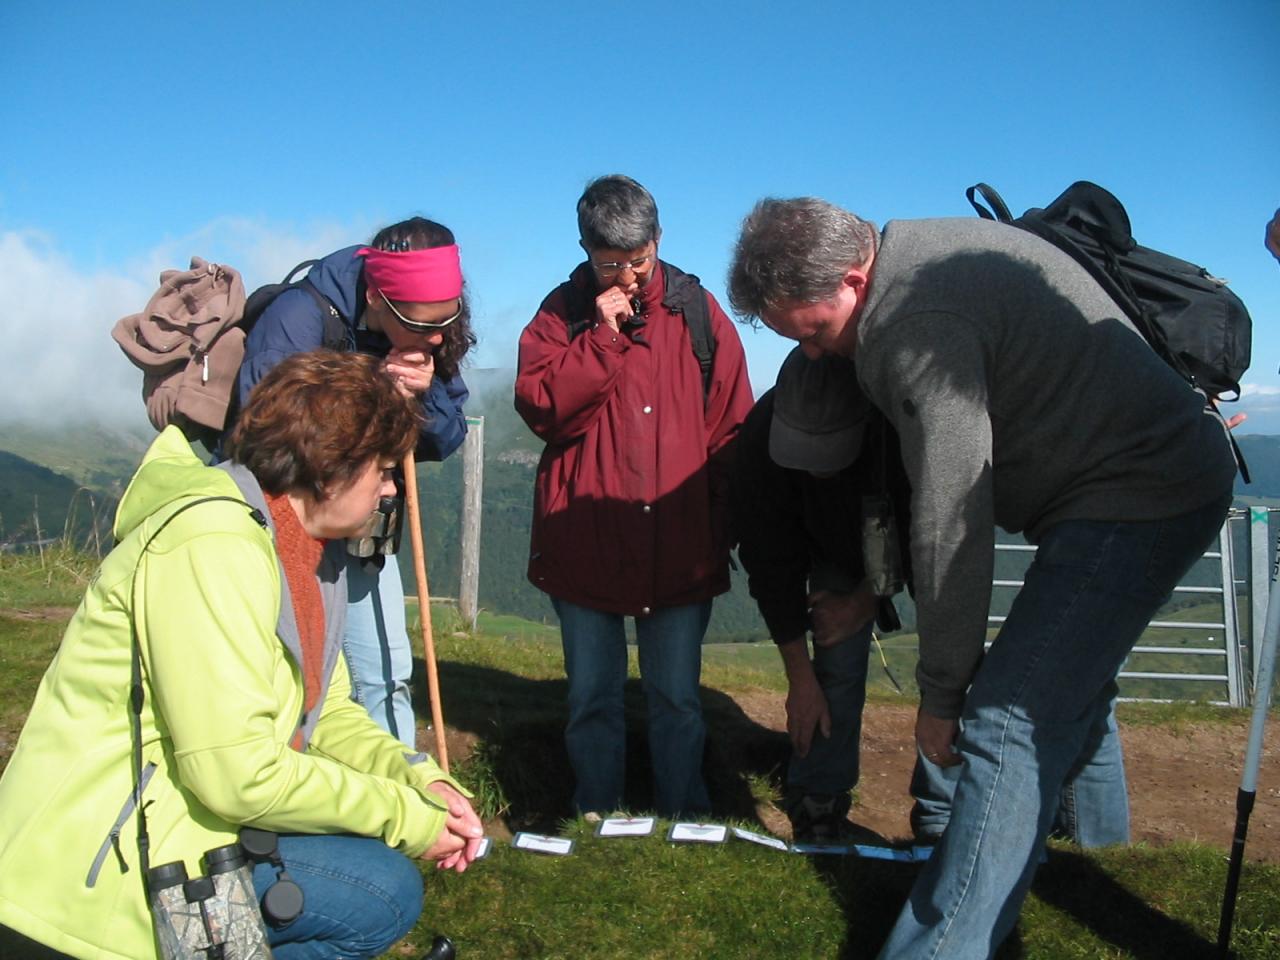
[[224, 697]]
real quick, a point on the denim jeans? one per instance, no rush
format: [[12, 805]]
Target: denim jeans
[[377, 648], [1093, 808], [595, 661], [359, 897], [1042, 692], [831, 765]]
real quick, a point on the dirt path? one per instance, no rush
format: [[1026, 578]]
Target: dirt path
[[1182, 780]]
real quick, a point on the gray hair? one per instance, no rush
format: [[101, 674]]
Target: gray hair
[[616, 212], [796, 249]]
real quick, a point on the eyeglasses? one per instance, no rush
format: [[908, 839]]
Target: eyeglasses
[[420, 326], [610, 269]]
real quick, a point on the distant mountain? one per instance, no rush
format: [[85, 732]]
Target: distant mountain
[[1262, 454], [95, 456], [38, 505]]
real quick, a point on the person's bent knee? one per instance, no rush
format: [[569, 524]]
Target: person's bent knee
[[360, 896]]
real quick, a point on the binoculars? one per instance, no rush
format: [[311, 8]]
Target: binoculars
[[210, 917]]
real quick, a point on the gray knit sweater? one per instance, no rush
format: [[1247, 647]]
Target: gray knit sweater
[[1022, 399]]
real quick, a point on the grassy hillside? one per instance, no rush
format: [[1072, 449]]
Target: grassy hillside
[[95, 456], [37, 505]]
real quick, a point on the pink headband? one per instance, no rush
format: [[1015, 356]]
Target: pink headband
[[414, 276]]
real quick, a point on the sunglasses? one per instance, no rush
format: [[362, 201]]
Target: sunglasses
[[420, 326]]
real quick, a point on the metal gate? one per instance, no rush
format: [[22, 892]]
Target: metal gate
[[1193, 649]]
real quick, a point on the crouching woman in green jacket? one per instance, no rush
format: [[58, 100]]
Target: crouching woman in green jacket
[[229, 583]]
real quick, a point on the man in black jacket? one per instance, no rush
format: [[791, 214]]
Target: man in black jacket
[[809, 453]]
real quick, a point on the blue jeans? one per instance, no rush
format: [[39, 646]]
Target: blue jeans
[[1093, 808], [595, 661], [377, 648], [831, 765], [360, 897], [1041, 695]]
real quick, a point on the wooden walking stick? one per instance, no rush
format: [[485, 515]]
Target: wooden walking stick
[[424, 606]]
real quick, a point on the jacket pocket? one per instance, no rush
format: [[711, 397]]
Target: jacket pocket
[[112, 840]]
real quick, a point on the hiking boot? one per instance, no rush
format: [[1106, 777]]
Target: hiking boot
[[820, 818]]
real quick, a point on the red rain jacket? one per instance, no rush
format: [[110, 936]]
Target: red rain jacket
[[631, 497]]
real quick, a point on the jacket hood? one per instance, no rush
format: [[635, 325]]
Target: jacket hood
[[170, 471], [338, 276]]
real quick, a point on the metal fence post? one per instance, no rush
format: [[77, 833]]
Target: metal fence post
[[1259, 541], [1236, 695]]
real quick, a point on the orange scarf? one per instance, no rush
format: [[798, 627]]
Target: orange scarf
[[300, 556]]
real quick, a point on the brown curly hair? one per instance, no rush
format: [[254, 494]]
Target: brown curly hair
[[314, 422]]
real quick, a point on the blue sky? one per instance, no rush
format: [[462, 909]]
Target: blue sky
[[133, 135]]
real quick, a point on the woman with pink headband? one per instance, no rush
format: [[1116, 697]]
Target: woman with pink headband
[[401, 298]]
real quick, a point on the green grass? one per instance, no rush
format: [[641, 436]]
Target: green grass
[[642, 898], [53, 577], [645, 897]]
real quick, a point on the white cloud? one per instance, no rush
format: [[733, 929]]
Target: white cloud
[[1259, 391], [59, 362]]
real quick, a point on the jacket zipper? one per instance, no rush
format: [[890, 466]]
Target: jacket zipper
[[112, 841]]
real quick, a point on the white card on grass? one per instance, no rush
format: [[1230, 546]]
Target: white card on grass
[[625, 827], [759, 838], [537, 843], [698, 833]]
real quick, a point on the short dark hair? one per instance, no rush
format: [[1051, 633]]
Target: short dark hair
[[317, 419], [796, 249], [419, 233], [617, 213]]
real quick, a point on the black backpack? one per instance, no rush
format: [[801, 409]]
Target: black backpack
[[336, 333], [681, 293], [1190, 318]]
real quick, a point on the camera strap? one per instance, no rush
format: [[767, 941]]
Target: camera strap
[[136, 689]]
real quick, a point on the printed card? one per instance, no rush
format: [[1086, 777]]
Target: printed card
[[486, 845], [698, 833], [538, 843], [759, 838], [625, 827]]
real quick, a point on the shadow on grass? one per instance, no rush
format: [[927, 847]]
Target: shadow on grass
[[521, 722], [872, 893], [1077, 885]]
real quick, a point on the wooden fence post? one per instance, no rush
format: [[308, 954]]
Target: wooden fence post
[[472, 498]]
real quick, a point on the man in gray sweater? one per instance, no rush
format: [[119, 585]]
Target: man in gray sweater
[[1023, 398]]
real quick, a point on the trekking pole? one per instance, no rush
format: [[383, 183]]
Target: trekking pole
[[1253, 756], [424, 607]]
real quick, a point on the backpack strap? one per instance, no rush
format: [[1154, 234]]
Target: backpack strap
[[579, 305], [136, 690], [683, 293], [336, 333], [336, 336], [994, 200]]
